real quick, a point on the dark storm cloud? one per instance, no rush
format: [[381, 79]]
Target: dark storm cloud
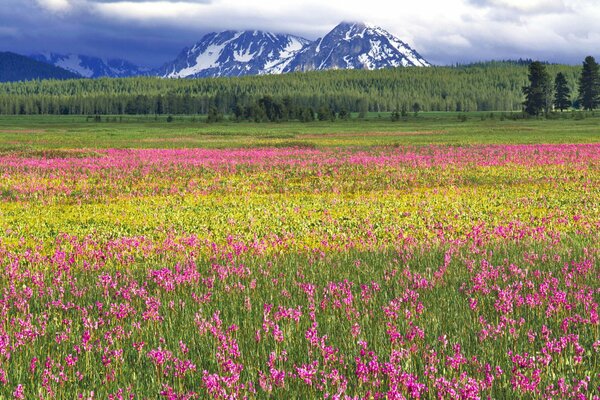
[[151, 32], [27, 29]]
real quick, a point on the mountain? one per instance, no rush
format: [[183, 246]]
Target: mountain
[[347, 46], [356, 46], [91, 67], [233, 53], [14, 67], [230, 53]]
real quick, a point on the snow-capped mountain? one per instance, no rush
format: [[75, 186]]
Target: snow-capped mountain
[[356, 46], [347, 46], [92, 67], [233, 53]]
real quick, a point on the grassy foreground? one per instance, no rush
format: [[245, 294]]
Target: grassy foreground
[[462, 270]]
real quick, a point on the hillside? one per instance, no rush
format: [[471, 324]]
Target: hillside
[[14, 68], [92, 67], [481, 87]]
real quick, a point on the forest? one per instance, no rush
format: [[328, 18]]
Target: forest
[[492, 86]]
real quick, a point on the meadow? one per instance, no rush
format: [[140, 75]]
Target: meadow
[[32, 133], [433, 257]]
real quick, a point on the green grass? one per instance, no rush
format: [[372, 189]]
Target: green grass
[[31, 133], [443, 299], [55, 284]]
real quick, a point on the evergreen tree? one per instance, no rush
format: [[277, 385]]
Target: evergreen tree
[[325, 114], [404, 111], [589, 84], [214, 115], [272, 108], [238, 112], [416, 108], [307, 115], [562, 93], [538, 95], [344, 115]]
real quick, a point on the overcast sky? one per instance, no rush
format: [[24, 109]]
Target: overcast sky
[[151, 32]]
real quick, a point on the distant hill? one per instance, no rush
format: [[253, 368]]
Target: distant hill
[[14, 68], [92, 67]]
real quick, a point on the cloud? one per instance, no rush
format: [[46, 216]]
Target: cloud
[[222, 14], [147, 10], [152, 1], [55, 5], [444, 31], [526, 6]]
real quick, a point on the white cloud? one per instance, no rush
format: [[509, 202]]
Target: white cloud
[[526, 6], [55, 5], [143, 11], [444, 30]]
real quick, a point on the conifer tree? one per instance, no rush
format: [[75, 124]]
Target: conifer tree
[[214, 115], [562, 93], [589, 84], [538, 95]]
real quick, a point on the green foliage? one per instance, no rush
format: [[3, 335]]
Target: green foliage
[[562, 94], [538, 95], [416, 108], [344, 115], [266, 109], [589, 84], [214, 116], [325, 114], [480, 87]]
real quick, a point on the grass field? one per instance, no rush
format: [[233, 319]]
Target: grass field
[[24, 133], [427, 258]]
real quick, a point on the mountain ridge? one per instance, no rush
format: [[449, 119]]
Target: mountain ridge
[[350, 45], [91, 67], [15, 67], [234, 53]]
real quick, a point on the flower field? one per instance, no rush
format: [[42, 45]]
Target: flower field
[[451, 272]]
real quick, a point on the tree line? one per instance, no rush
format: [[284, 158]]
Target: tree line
[[493, 86], [543, 94]]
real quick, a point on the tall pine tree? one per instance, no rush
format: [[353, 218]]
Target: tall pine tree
[[538, 95], [589, 84], [562, 93]]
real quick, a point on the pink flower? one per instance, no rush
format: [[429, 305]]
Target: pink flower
[[19, 392], [159, 356], [307, 372]]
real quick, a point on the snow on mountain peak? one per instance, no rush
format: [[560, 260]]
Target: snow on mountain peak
[[91, 67], [350, 45], [356, 45], [232, 53]]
